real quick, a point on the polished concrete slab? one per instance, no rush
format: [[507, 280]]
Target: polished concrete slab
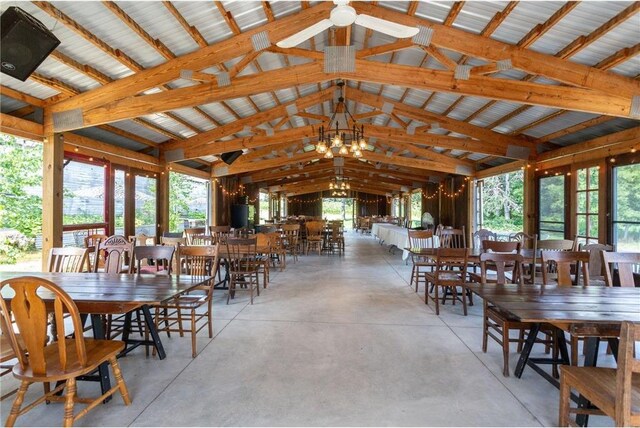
[[333, 340]]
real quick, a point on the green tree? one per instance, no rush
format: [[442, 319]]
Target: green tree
[[20, 179], [503, 201]]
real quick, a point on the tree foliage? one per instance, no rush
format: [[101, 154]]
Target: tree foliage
[[502, 198], [20, 177]]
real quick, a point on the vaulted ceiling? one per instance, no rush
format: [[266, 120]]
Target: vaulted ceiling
[[487, 83]]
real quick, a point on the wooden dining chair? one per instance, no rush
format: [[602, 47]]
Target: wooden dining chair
[[278, 251], [483, 235], [291, 233], [175, 242], [559, 264], [67, 259], [117, 252], [335, 240], [596, 267], [160, 255], [314, 238], [262, 241], [626, 263], [449, 274], [62, 361], [496, 323], [614, 392], [243, 266], [196, 306], [7, 355], [191, 232], [91, 244], [421, 264], [500, 247], [556, 244], [453, 238]]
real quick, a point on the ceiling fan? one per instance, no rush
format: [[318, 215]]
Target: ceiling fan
[[344, 15]]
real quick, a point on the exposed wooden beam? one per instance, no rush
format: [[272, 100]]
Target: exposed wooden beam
[[20, 127], [575, 128], [533, 62], [21, 96], [453, 13], [383, 49], [190, 29], [214, 54], [540, 29], [263, 164]]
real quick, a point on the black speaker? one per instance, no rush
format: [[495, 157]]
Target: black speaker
[[230, 157], [25, 43], [239, 216]]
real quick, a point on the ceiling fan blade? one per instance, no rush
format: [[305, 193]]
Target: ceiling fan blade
[[387, 27], [305, 34]]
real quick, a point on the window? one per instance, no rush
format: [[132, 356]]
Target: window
[[551, 207], [264, 206], [499, 203], [587, 204], [395, 207], [188, 202], [478, 205], [626, 208], [283, 206], [145, 205], [85, 198], [118, 194], [416, 208]]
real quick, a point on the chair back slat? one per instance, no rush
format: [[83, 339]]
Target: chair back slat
[[29, 311], [118, 250], [67, 259], [201, 261], [625, 263], [596, 267], [421, 238], [160, 254], [555, 244], [501, 246], [453, 238], [561, 262], [483, 235], [243, 254], [190, 232], [501, 262]]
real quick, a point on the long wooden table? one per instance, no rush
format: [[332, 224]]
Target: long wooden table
[[101, 294], [591, 312]]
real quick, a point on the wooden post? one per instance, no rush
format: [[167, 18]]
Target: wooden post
[[52, 173], [129, 204], [529, 200], [163, 203]]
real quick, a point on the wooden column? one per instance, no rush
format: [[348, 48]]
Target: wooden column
[[129, 204], [529, 200], [52, 173], [163, 203]]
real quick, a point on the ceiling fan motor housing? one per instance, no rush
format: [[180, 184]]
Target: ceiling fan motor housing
[[343, 15]]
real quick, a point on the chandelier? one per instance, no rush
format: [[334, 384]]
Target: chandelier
[[341, 138], [339, 186]]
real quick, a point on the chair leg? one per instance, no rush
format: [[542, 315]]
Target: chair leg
[[505, 349], [17, 403], [117, 374], [437, 300], [565, 391], [69, 401], [464, 300], [193, 333], [210, 320], [556, 354], [485, 328], [413, 272]]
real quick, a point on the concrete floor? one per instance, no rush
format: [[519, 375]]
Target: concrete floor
[[332, 341]]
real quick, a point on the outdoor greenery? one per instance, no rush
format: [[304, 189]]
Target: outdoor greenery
[[626, 216], [338, 209], [416, 209], [20, 197], [182, 191], [502, 197]]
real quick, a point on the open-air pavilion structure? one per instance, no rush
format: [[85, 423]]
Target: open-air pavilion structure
[[147, 89]]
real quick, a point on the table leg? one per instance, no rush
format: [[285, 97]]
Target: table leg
[[528, 346], [103, 369], [151, 325]]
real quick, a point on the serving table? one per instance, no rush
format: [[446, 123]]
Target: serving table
[[395, 236]]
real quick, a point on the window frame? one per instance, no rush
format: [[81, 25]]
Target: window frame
[[567, 199], [588, 193], [620, 161]]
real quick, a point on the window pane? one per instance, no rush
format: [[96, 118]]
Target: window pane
[[593, 226], [119, 202], [83, 193], [593, 178], [582, 225], [145, 196], [552, 199], [627, 193], [626, 237], [188, 201], [593, 202], [416, 207], [582, 179], [582, 201], [264, 207]]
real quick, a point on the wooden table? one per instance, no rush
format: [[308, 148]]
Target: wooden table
[[593, 312], [101, 294]]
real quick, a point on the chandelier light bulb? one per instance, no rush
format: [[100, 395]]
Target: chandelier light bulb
[[329, 154], [348, 186], [343, 150], [336, 141], [353, 147], [357, 154], [321, 147], [330, 185], [362, 143]]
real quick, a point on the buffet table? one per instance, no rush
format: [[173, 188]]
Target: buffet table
[[394, 236]]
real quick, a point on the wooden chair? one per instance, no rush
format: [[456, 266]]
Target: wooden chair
[[198, 261], [174, 242], [290, 234], [453, 238], [496, 323], [243, 266], [91, 243], [67, 259], [191, 232], [499, 247], [314, 238], [615, 392], [527, 243], [596, 268], [450, 273], [335, 240], [559, 263], [162, 256], [141, 239], [556, 244], [61, 361], [262, 240], [278, 251], [7, 355], [625, 263], [421, 264], [220, 234], [483, 235], [525, 239], [118, 253]]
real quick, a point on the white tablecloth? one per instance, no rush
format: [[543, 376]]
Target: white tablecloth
[[398, 236]]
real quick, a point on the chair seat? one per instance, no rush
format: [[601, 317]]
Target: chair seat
[[444, 276], [157, 270], [314, 238], [186, 301], [98, 351], [587, 379]]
